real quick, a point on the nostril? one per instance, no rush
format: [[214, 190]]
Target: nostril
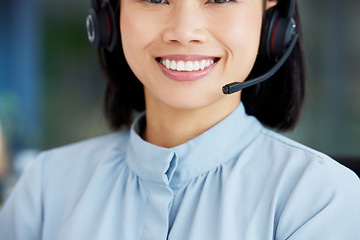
[[185, 34]]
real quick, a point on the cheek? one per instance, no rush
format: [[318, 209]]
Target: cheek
[[134, 40], [138, 28], [241, 39], [243, 34], [130, 31]]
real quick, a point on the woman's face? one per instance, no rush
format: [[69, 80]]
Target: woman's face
[[184, 51]]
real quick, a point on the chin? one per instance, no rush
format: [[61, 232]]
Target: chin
[[192, 100]]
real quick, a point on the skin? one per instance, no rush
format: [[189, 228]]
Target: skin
[[177, 111]]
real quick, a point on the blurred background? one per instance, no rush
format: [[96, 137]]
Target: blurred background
[[51, 87]]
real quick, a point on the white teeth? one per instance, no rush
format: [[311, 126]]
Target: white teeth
[[173, 65], [167, 63], [188, 65], [196, 65], [203, 64], [180, 66]]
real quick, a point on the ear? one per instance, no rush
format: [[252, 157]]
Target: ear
[[271, 3]]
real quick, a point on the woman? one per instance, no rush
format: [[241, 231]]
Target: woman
[[197, 164]]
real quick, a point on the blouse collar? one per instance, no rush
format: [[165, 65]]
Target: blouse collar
[[173, 166]]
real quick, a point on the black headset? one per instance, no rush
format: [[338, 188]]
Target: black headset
[[278, 37], [278, 30], [277, 33], [103, 26], [278, 40]]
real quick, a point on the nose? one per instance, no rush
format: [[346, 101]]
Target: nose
[[186, 24]]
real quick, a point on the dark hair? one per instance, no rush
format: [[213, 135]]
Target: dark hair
[[276, 103]]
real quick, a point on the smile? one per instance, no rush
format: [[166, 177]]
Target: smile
[[187, 66]]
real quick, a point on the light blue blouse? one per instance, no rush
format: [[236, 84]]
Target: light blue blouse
[[237, 180]]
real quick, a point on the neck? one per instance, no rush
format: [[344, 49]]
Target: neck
[[169, 127]]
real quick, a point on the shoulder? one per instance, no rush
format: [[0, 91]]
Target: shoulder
[[87, 150], [285, 151], [315, 191], [286, 146], [118, 139], [303, 162], [288, 164], [72, 167], [64, 171], [79, 160]]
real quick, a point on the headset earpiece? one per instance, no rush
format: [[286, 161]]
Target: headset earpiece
[[102, 27], [278, 30], [278, 40]]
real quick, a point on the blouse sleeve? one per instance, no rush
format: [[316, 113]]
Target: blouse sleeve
[[21, 215], [325, 204]]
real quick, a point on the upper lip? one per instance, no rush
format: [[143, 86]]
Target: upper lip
[[181, 57]]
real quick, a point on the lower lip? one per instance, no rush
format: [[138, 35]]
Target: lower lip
[[184, 75]]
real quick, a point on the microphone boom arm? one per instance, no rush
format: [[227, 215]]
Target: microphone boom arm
[[237, 86]]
